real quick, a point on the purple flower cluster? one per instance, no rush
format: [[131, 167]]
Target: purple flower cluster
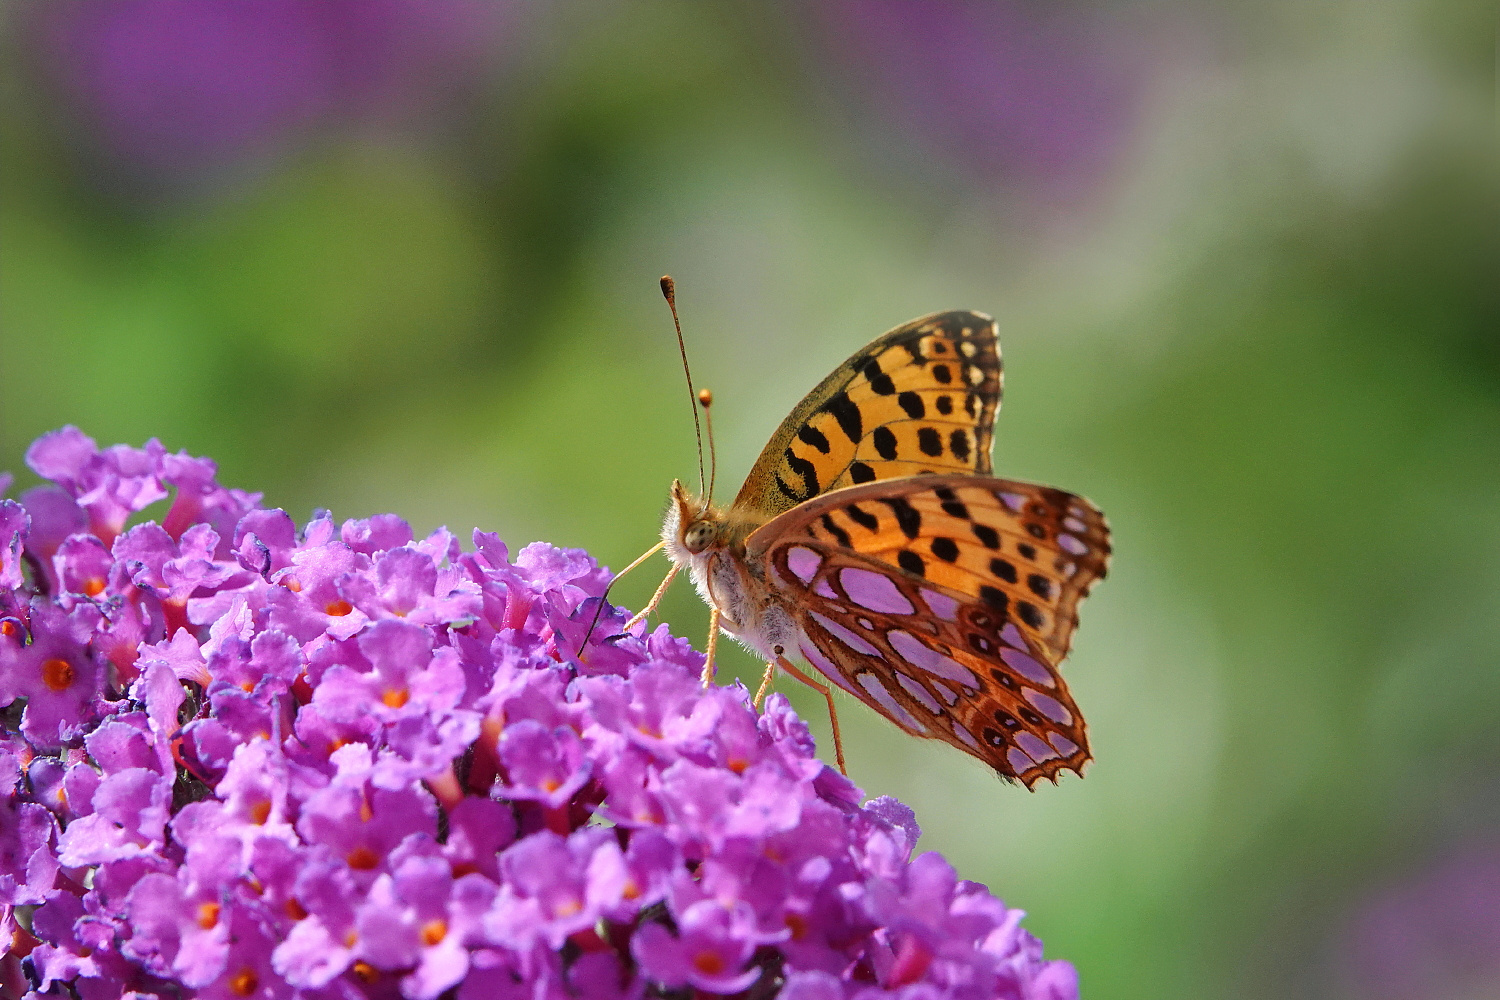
[[246, 760]]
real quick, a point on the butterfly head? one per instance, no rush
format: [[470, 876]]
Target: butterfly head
[[693, 527]]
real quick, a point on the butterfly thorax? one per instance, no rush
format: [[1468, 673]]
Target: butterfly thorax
[[709, 542]]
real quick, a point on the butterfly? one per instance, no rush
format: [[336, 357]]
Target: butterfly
[[871, 540]]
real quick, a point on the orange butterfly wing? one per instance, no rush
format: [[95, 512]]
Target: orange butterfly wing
[[922, 398], [946, 603]]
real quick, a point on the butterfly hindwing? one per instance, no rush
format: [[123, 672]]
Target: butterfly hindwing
[[920, 399], [1022, 723], [951, 591]]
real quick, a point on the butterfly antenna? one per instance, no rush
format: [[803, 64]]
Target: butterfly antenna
[[706, 400], [669, 292]]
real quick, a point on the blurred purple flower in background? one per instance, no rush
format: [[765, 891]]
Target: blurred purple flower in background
[[1434, 937], [172, 89], [243, 760], [996, 90]]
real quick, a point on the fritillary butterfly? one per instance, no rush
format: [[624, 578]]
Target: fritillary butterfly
[[871, 540]]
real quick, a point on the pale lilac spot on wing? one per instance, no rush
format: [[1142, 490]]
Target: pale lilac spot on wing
[[1049, 706], [1012, 635], [824, 589], [930, 660], [946, 693], [964, 735], [1034, 747], [1071, 544], [849, 638], [1014, 501], [941, 605], [917, 691], [874, 591], [1073, 524], [803, 562], [887, 701], [1027, 667], [1064, 746], [1019, 762], [825, 666]]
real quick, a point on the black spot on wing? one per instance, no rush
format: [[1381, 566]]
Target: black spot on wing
[[945, 549], [911, 562], [787, 491], [802, 467], [846, 413], [1030, 614], [839, 534], [988, 537], [958, 443], [945, 405], [808, 434], [913, 405], [1040, 586], [862, 517], [942, 373], [885, 442], [1003, 569], [930, 441], [861, 473], [1026, 550], [880, 382], [994, 598], [907, 517]]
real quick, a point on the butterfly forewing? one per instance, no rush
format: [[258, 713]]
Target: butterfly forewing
[[921, 399], [946, 603]]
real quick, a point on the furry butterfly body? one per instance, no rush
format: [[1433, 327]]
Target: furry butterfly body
[[871, 540]]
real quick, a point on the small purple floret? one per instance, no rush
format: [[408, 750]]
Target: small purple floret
[[246, 760]]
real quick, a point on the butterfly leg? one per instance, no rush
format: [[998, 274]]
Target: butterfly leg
[[651, 605], [765, 684], [833, 715], [713, 644]]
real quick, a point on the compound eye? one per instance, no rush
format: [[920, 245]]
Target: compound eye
[[698, 537]]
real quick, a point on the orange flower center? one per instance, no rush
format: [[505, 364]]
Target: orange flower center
[[57, 674], [362, 859], [208, 915], [244, 983], [395, 697], [434, 931], [338, 609]]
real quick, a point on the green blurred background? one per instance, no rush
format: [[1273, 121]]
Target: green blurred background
[[400, 256]]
